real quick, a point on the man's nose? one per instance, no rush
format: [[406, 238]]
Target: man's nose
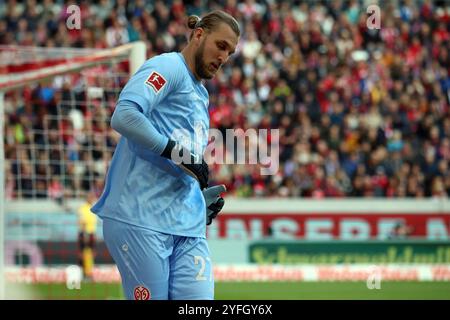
[[223, 57]]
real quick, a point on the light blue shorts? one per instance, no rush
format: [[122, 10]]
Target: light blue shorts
[[159, 266]]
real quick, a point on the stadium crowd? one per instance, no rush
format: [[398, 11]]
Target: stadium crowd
[[361, 112]]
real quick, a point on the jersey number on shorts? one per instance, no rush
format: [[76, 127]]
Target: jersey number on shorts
[[200, 276]]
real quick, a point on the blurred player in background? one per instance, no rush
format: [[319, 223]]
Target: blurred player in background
[[156, 202], [87, 223]]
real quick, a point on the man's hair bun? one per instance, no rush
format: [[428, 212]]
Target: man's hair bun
[[192, 21]]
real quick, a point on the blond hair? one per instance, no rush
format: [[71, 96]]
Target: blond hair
[[212, 20]]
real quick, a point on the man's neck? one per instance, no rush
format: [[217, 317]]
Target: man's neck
[[188, 55]]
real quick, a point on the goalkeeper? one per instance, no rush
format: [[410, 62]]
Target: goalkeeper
[[156, 201]]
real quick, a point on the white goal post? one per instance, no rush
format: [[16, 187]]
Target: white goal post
[[68, 60]]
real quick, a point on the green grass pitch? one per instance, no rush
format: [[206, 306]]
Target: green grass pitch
[[253, 291]]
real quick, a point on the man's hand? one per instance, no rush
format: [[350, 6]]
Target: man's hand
[[192, 164], [214, 202]]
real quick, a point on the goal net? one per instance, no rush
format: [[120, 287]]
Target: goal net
[[56, 144]]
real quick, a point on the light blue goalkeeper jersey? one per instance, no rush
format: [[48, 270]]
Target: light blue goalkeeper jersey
[[142, 188]]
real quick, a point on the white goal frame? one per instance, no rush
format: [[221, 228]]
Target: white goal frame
[[136, 54]]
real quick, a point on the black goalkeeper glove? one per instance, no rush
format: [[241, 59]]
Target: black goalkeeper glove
[[214, 202], [192, 164]]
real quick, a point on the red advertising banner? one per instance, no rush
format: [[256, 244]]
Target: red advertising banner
[[253, 272], [323, 226]]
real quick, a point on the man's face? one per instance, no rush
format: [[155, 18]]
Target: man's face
[[214, 50]]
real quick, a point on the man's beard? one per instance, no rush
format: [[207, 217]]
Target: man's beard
[[201, 69]]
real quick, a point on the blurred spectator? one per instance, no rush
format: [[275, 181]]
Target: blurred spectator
[[400, 231], [87, 226]]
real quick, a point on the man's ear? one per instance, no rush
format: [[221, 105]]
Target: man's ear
[[198, 33]]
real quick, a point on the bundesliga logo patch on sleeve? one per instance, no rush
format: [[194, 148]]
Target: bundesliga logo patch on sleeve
[[156, 81]]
